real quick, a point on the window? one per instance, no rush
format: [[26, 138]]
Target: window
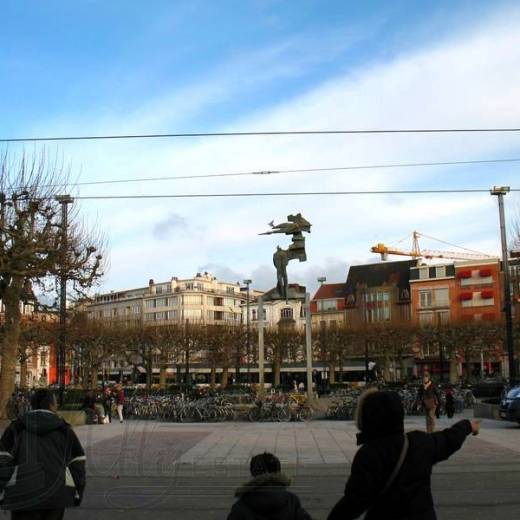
[[106, 313], [161, 302], [173, 301], [254, 314], [43, 357], [114, 313], [327, 305], [188, 286], [192, 299], [158, 289], [136, 309], [442, 297], [149, 316], [192, 314], [229, 302], [172, 315], [160, 316], [423, 273], [426, 318], [443, 317], [286, 313], [425, 298], [230, 290], [440, 271], [149, 304]]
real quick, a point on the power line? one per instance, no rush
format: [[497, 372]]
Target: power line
[[255, 133], [301, 170], [285, 194]]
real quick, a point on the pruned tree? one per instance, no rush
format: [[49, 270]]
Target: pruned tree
[[94, 342], [34, 335], [31, 240]]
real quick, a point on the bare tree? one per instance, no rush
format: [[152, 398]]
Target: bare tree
[[31, 240]]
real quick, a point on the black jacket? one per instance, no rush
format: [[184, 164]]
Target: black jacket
[[42, 464], [409, 497], [265, 497]]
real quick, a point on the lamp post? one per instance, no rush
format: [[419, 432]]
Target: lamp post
[[500, 191], [248, 332], [64, 201]]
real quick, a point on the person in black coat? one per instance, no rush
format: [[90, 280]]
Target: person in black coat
[[430, 399], [265, 497], [42, 463], [380, 419]]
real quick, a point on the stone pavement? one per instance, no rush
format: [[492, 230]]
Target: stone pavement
[[152, 447], [190, 471]]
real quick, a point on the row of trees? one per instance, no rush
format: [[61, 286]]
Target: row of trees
[[93, 345]]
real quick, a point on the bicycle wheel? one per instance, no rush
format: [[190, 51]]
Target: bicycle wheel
[[283, 414], [305, 413], [254, 414]]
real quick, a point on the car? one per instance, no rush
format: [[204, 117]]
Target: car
[[510, 406]]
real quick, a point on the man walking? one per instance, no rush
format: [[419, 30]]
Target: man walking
[[42, 463], [430, 399], [120, 401]]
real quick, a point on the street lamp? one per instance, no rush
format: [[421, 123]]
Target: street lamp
[[500, 191], [322, 280], [248, 335]]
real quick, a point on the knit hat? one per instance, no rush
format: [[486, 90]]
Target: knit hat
[[379, 414]]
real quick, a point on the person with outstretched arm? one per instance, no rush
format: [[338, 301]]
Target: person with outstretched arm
[[391, 472]]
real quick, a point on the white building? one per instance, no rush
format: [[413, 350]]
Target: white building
[[278, 312]]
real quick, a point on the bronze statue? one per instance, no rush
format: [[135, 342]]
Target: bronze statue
[[295, 226]]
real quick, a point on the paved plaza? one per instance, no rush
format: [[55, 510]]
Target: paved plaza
[[191, 470]]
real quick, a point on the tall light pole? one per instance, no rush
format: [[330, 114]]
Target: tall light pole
[[64, 201], [500, 191], [248, 332]]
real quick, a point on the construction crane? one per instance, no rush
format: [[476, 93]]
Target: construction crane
[[417, 252]]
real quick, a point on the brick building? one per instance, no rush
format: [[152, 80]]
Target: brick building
[[378, 293], [328, 305]]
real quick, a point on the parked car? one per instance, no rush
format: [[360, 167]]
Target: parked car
[[510, 406]]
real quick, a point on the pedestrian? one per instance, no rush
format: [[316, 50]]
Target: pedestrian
[[391, 472], [265, 496], [301, 387], [89, 407], [429, 396], [450, 402], [42, 463], [120, 401], [107, 403]]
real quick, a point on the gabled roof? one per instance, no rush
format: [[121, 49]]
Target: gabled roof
[[379, 274], [330, 291], [295, 290]]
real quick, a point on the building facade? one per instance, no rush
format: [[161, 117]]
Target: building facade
[[434, 296], [276, 312], [378, 293], [202, 299], [328, 306]]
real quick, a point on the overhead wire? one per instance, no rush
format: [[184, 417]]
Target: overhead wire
[[286, 194], [298, 170], [256, 133]]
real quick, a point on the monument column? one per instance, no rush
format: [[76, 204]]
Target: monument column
[[261, 363], [308, 345]]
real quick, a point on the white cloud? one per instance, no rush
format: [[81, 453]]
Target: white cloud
[[469, 80]]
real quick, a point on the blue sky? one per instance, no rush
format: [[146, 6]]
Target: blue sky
[[95, 67]]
